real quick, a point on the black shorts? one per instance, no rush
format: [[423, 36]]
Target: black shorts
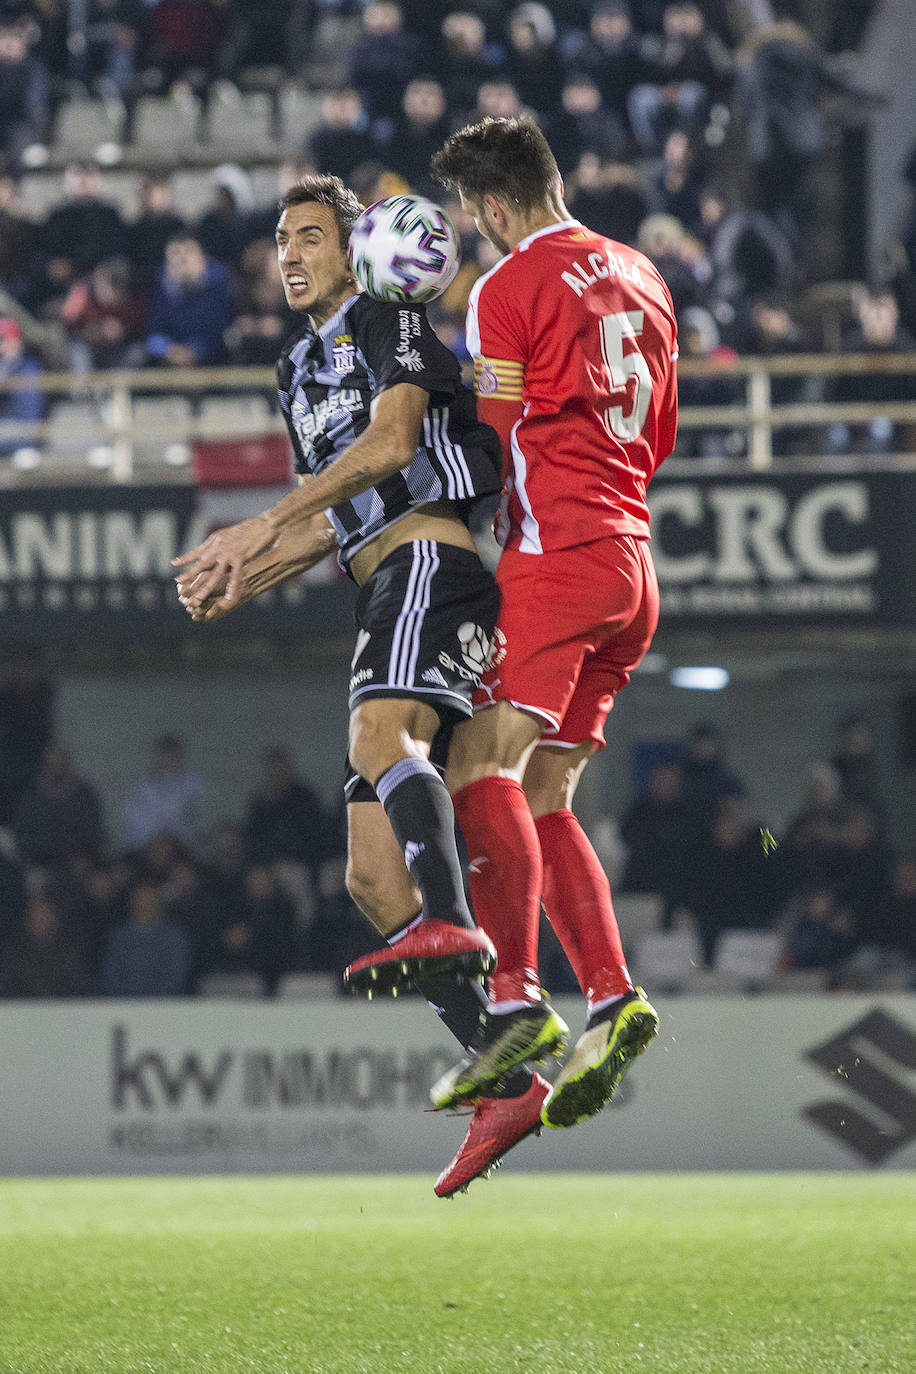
[[425, 620]]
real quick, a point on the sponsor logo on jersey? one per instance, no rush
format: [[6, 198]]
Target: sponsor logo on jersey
[[343, 353], [432, 675], [408, 329], [311, 421], [411, 360], [364, 675], [362, 639]]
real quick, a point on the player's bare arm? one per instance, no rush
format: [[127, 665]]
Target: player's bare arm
[[385, 446], [294, 551]]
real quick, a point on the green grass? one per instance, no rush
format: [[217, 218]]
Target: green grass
[[565, 1274]]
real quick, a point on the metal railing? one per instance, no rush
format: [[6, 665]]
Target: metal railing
[[109, 419]]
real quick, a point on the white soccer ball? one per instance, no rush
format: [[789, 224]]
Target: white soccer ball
[[404, 248]]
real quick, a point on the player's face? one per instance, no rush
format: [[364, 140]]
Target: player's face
[[485, 226], [316, 278]]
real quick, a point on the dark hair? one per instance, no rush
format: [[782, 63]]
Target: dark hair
[[507, 158], [330, 191]]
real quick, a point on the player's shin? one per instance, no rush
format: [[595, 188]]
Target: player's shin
[[577, 899], [504, 876], [420, 811]]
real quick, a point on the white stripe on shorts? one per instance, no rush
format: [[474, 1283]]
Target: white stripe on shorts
[[405, 643]]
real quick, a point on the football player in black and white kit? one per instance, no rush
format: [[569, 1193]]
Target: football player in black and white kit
[[391, 459]]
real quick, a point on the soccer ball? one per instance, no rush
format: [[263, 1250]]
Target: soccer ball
[[405, 249]]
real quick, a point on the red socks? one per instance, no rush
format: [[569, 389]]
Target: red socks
[[577, 899], [505, 877]]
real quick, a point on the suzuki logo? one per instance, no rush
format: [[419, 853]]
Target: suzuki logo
[[866, 1059]]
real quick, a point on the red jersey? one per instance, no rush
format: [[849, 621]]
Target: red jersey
[[574, 344]]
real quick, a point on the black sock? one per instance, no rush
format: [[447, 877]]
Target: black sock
[[419, 808], [458, 1006]]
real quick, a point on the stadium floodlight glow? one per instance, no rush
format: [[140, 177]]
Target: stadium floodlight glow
[[700, 679]]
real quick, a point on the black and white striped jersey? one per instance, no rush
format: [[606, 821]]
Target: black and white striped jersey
[[327, 379]]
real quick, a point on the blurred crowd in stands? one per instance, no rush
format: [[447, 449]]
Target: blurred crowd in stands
[[146, 901], [693, 130]]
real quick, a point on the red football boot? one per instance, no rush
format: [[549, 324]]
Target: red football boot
[[431, 947], [497, 1124]]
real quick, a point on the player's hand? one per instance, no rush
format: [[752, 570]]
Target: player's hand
[[215, 566]]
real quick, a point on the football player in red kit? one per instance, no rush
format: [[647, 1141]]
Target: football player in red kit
[[574, 342]]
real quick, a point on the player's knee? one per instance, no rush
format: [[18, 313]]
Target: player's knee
[[387, 901], [380, 738]]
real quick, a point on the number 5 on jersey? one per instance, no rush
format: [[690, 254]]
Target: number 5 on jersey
[[627, 373]]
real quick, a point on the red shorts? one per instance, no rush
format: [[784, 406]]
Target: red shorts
[[572, 626]]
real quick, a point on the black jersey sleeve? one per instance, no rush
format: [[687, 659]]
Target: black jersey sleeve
[[400, 345]]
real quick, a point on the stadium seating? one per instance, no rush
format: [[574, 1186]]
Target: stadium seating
[[667, 960], [749, 955], [232, 985]]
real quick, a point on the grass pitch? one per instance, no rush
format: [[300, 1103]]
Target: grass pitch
[[565, 1274]]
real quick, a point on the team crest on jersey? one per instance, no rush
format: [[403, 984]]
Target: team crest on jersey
[[487, 382], [343, 353]]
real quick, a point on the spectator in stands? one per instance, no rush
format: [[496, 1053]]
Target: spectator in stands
[[609, 197], [256, 37], [383, 60], [750, 256], [26, 724], [854, 759], [699, 337], [169, 799], [148, 955], [79, 233], [780, 75], [145, 238], [660, 834], [224, 928], [285, 821], [13, 894], [689, 69], [665, 240], [808, 849], [707, 778], [59, 815], [224, 231], [499, 99], [106, 319], [25, 405], [419, 131], [878, 330], [191, 307], [94, 901], [271, 919], [342, 140], [612, 53], [887, 932], [114, 29], [731, 882], [769, 330], [185, 40], [533, 62], [18, 240], [863, 864], [468, 61], [585, 125], [824, 934], [41, 959], [263, 318], [676, 181], [23, 94]]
